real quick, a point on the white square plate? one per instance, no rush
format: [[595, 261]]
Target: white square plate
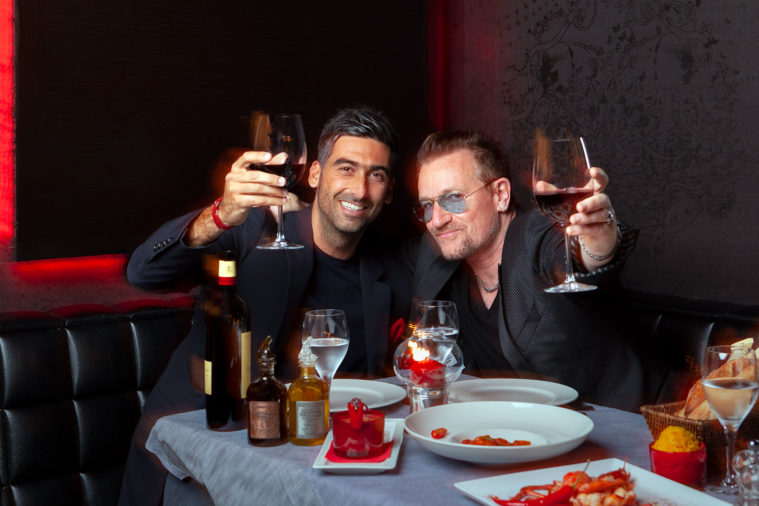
[[393, 428], [649, 487]]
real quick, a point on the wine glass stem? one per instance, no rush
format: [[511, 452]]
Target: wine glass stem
[[280, 225], [730, 435], [570, 273]]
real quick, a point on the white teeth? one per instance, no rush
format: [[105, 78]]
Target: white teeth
[[351, 207]]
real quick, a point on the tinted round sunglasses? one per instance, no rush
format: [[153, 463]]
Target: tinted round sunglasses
[[453, 202]]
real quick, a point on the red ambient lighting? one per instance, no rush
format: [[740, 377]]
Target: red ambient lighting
[[438, 44], [94, 268], [7, 194]]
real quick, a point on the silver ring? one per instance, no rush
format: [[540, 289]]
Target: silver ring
[[610, 218]]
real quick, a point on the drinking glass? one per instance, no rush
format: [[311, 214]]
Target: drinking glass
[[437, 315], [427, 362], [730, 382], [281, 135], [328, 330], [561, 179]]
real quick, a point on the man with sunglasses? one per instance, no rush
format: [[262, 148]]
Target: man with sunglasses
[[494, 261]]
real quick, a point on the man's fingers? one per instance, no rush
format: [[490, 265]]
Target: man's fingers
[[249, 158], [600, 179]]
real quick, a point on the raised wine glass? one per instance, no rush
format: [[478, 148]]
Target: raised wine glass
[[561, 179], [328, 331], [731, 392], [437, 315], [281, 135]]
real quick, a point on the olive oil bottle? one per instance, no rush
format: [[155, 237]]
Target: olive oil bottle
[[308, 402]]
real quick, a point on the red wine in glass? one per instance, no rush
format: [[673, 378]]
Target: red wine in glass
[[290, 171], [561, 203], [561, 179], [281, 135]]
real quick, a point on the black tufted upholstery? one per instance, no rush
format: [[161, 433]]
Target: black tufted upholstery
[[72, 386], [678, 331]]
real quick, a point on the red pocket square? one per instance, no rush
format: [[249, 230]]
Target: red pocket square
[[396, 330]]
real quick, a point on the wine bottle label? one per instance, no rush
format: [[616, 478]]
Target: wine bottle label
[[208, 382], [309, 419], [227, 272], [263, 417], [244, 363]]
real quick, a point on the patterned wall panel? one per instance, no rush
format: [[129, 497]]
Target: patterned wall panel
[[666, 94]]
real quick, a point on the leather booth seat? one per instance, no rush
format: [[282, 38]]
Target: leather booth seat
[[678, 330], [73, 383], [72, 386]]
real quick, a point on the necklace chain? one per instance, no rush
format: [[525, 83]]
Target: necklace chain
[[485, 288]]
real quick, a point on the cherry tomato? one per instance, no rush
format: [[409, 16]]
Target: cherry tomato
[[439, 433]]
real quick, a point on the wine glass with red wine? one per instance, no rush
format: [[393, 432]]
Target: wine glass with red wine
[[281, 135], [561, 179]]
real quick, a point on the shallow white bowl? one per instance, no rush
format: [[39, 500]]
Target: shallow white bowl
[[551, 430]]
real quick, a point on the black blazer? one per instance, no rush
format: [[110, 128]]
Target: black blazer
[[579, 339], [273, 284]]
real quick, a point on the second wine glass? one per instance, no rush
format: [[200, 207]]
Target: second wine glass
[[437, 316], [730, 382], [281, 135], [328, 331], [561, 179]]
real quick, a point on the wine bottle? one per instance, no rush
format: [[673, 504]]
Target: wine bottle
[[307, 402], [227, 364], [267, 402]]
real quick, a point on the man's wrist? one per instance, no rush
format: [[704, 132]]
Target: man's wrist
[[215, 214], [601, 258]]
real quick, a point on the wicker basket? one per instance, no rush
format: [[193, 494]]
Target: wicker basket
[[659, 416]]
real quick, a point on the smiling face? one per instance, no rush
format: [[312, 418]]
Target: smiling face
[[351, 189], [459, 235]]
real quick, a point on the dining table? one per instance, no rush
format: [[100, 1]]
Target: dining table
[[222, 468]]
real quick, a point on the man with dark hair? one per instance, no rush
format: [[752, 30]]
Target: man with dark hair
[[340, 266], [494, 261]]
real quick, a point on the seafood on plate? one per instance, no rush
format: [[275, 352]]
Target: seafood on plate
[[577, 488]]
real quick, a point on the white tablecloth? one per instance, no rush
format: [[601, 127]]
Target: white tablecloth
[[234, 472]]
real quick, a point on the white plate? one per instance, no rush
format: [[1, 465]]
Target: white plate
[[649, 487], [374, 394], [552, 430], [393, 429], [516, 390]]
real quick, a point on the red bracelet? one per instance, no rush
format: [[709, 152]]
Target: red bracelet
[[215, 214]]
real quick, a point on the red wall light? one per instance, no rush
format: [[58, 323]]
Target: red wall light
[[7, 193]]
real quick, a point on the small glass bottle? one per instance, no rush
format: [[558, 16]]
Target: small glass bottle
[[267, 402], [307, 403]]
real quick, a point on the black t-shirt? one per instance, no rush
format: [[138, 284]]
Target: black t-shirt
[[336, 284], [478, 327]]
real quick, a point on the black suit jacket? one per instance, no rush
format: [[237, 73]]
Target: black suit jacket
[[577, 339], [273, 284]]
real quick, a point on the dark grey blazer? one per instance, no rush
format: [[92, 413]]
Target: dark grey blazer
[[578, 339]]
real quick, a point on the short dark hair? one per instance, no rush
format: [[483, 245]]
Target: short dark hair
[[490, 159], [359, 121]]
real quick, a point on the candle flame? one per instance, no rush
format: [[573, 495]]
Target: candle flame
[[418, 353]]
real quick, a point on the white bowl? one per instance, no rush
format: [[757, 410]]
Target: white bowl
[[551, 430]]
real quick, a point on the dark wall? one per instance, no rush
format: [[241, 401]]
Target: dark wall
[[666, 94], [126, 110]]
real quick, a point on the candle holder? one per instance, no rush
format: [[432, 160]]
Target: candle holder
[[427, 362]]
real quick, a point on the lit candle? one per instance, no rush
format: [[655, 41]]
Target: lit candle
[[425, 372]]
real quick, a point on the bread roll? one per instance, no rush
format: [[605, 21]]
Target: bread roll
[[696, 407]]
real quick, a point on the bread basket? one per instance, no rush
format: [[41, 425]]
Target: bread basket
[[659, 416]]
